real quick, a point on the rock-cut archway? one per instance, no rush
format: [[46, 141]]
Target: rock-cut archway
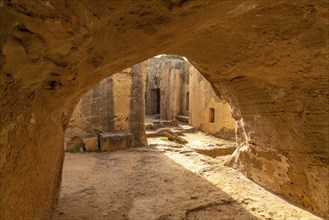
[[269, 59]]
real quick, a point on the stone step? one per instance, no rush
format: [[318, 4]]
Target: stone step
[[182, 118], [187, 128], [153, 126], [216, 151], [156, 124], [166, 122], [157, 132]]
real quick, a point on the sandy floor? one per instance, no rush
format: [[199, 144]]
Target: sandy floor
[[163, 182]]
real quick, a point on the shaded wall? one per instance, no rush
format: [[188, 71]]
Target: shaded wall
[[114, 104]]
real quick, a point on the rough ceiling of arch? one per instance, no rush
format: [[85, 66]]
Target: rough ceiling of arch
[[269, 59]]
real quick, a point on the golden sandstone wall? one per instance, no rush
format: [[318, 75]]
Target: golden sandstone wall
[[268, 59], [109, 107], [177, 81], [170, 75], [203, 100]]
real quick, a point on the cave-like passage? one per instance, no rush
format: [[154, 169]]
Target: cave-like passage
[[268, 59], [166, 178]]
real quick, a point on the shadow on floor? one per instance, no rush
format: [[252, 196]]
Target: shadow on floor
[[139, 185]]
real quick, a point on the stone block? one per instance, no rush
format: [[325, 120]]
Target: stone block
[[115, 140], [74, 146], [215, 152], [187, 128], [91, 142]]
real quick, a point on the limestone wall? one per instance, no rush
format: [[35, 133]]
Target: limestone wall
[[269, 59], [171, 77], [114, 104], [184, 91], [205, 104]]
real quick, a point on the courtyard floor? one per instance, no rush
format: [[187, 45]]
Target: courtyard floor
[[165, 181]]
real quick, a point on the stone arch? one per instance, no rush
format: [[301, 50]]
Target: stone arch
[[268, 59]]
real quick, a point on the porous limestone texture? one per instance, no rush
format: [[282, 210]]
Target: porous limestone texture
[[91, 142], [268, 59], [170, 76], [185, 92], [115, 141], [203, 100], [110, 106]]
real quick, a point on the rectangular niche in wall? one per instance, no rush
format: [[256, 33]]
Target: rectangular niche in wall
[[211, 115], [187, 101], [155, 101]]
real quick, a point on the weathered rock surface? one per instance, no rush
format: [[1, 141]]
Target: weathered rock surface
[[169, 75], [177, 90], [75, 145], [171, 135], [91, 142], [216, 151], [226, 133], [109, 106], [115, 141], [208, 112], [269, 59]]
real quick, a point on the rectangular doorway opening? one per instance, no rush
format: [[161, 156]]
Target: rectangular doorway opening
[[187, 101], [155, 98], [211, 115]]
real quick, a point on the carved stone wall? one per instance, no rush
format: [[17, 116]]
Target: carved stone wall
[[114, 104], [268, 59], [185, 92], [170, 76], [207, 111]]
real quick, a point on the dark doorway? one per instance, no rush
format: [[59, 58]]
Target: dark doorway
[[155, 98], [211, 115], [187, 101]]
